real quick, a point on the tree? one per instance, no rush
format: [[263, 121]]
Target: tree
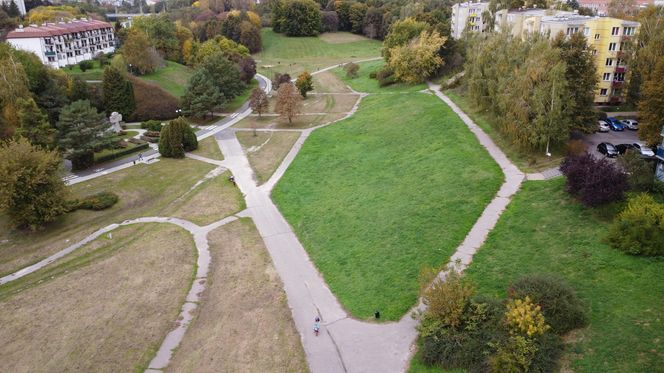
[[13, 10], [34, 125], [351, 70], [32, 192], [373, 23], [304, 83], [289, 102], [54, 94], [641, 173], [176, 138], [280, 79], [118, 92], [78, 90], [329, 21], [258, 101], [14, 86], [250, 36], [300, 18], [343, 11], [639, 228], [651, 106], [648, 47], [81, 132], [594, 181], [247, 67], [224, 74], [202, 96], [357, 13], [139, 53], [161, 33], [401, 32], [417, 60]]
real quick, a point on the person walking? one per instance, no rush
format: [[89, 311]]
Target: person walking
[[316, 325]]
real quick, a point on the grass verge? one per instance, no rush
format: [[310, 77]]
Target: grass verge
[[209, 148], [363, 83], [376, 197], [173, 78], [244, 323], [266, 150]]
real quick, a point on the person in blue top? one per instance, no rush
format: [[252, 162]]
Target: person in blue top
[[316, 325]]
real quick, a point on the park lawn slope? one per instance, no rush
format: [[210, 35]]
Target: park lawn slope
[[295, 54], [376, 197], [364, 83], [172, 78], [543, 230]]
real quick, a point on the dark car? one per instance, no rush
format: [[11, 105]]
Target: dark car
[[615, 124], [622, 148], [607, 149]]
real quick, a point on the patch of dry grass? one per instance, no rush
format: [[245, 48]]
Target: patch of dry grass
[[340, 37], [215, 199], [209, 148], [144, 190], [244, 323], [107, 316], [299, 122], [266, 150], [328, 82]]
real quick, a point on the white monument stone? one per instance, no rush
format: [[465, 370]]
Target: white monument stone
[[115, 120]]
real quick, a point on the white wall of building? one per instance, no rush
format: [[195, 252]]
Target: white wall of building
[[19, 3]]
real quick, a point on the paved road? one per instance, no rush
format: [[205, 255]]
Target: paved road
[[152, 154]]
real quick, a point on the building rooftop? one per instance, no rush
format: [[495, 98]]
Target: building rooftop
[[471, 3], [55, 29]]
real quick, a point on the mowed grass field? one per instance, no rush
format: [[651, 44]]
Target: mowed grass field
[[363, 83], [376, 197], [294, 55], [543, 230], [173, 78]]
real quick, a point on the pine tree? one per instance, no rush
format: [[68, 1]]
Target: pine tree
[[289, 101], [202, 96], [304, 83], [176, 138], [118, 92], [13, 10], [82, 131], [31, 189], [651, 106], [34, 125], [259, 101], [78, 90]]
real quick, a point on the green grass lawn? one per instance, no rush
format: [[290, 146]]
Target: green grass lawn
[[376, 197], [209, 148], [363, 83], [95, 73], [295, 54], [533, 161], [543, 230], [173, 78]]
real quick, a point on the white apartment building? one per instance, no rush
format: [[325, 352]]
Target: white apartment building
[[19, 3], [468, 16], [65, 43]]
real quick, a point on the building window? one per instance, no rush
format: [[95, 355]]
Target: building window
[[596, 36], [609, 62], [612, 46], [607, 76], [602, 92], [586, 31], [594, 52], [628, 31], [615, 31], [51, 59], [572, 30], [619, 77]]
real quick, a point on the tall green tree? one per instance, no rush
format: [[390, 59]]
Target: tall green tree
[[176, 138], [34, 125], [32, 192], [81, 132], [402, 32], [54, 94], [582, 75], [300, 18], [651, 106], [161, 33], [202, 96], [648, 47], [224, 74], [78, 90], [139, 53], [118, 92], [357, 13]]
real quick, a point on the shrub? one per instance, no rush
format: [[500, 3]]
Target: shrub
[[639, 228], [561, 307], [109, 157], [373, 74], [152, 102], [176, 138], [524, 316], [85, 65], [385, 76], [278, 79], [152, 125], [351, 70], [593, 181], [99, 201], [641, 173]]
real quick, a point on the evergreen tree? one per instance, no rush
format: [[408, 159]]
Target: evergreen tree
[[81, 132], [224, 74], [651, 106], [54, 95], [202, 96], [31, 188], [118, 92], [79, 90], [13, 10], [34, 125], [304, 83], [176, 138]]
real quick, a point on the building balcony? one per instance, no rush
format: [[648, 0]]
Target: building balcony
[[49, 53], [617, 84], [621, 69], [625, 38]]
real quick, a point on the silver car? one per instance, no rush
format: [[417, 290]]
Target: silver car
[[643, 149], [602, 126], [630, 124]]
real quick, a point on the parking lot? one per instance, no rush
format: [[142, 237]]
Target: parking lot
[[614, 137]]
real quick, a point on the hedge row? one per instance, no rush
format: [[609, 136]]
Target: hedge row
[[121, 153]]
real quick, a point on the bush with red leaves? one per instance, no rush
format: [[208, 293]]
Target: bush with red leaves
[[594, 181], [152, 102]]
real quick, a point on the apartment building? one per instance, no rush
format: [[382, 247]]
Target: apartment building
[[65, 43], [19, 3], [601, 7], [468, 16], [521, 22]]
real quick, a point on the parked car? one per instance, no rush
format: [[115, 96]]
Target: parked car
[[630, 124], [622, 148], [643, 149], [607, 149], [602, 126], [615, 124]]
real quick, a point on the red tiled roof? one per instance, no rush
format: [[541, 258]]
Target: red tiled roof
[[55, 29]]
